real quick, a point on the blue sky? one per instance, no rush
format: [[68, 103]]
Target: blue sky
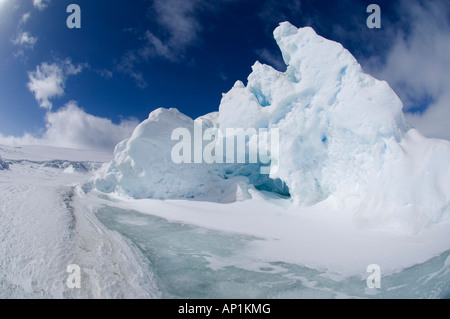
[[72, 87]]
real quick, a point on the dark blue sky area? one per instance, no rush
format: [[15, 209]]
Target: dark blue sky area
[[139, 55]]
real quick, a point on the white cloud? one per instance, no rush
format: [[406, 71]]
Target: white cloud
[[276, 61], [276, 11], [222, 75], [41, 4], [72, 127], [180, 27], [48, 80], [128, 66], [155, 47], [24, 19], [178, 17], [181, 21], [104, 73], [434, 122], [418, 66], [25, 40]]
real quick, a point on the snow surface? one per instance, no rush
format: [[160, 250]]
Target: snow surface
[[48, 153], [260, 248], [319, 237], [45, 226]]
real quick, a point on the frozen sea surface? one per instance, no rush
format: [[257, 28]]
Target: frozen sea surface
[[190, 249], [194, 262]]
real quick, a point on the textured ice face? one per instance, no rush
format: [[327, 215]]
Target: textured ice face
[[333, 119], [343, 136], [143, 168]]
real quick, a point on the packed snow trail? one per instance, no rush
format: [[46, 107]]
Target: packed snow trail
[[45, 227]]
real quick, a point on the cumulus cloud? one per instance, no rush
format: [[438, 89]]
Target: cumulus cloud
[[72, 127], [48, 80], [69, 126], [41, 4], [434, 122], [417, 66]]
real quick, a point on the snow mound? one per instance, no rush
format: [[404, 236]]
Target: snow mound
[[143, 167], [342, 136]]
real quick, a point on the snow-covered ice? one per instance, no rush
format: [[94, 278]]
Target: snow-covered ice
[[45, 226]]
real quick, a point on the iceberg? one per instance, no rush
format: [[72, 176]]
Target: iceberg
[[343, 137]]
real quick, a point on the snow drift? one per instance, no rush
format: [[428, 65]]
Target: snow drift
[[143, 167], [343, 137]]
